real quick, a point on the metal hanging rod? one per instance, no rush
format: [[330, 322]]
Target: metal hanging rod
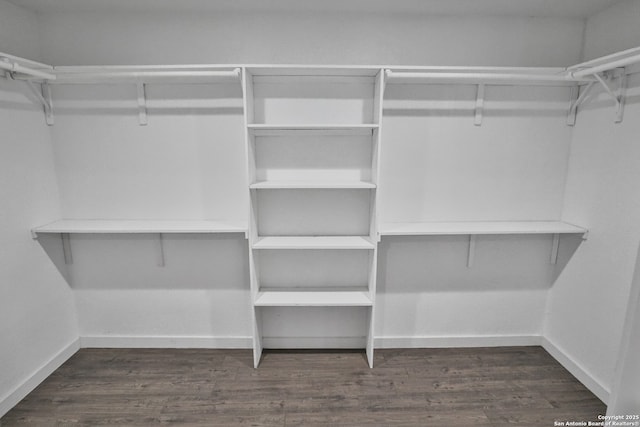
[[21, 72], [485, 78], [605, 59], [623, 62], [146, 76]]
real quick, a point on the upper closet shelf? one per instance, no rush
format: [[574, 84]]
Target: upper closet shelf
[[275, 185], [313, 70], [478, 227], [320, 129], [139, 226]]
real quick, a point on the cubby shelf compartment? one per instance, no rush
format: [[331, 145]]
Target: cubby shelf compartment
[[304, 298], [314, 242], [478, 227], [269, 185], [94, 226]]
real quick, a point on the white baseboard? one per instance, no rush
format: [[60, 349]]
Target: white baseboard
[[13, 397], [457, 341], [576, 370], [128, 341]]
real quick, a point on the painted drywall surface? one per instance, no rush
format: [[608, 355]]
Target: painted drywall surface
[[188, 163], [587, 305], [345, 38], [37, 312], [614, 29], [201, 291], [20, 31], [437, 166], [625, 393]]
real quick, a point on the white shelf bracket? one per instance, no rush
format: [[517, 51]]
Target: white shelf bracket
[[34, 234], [622, 93], [44, 96], [479, 105], [160, 260], [576, 101], [66, 248], [617, 97], [471, 254], [142, 104], [555, 244]]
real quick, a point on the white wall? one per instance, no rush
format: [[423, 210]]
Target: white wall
[[343, 38], [37, 313], [20, 31], [588, 302], [187, 163], [612, 30], [437, 166], [625, 393], [587, 305]]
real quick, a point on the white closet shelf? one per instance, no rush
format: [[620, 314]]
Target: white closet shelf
[[313, 70], [478, 227], [334, 298], [314, 242], [267, 185], [91, 226], [322, 129]]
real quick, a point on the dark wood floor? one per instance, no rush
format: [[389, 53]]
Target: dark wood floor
[[519, 386]]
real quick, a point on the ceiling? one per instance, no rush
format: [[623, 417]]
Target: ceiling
[[532, 8]]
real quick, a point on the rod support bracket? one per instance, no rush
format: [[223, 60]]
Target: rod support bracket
[[619, 93], [471, 254], [479, 105], [142, 104]]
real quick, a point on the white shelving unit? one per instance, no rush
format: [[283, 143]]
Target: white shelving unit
[[312, 139], [313, 144]]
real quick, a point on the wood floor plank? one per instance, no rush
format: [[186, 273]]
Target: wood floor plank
[[508, 386]]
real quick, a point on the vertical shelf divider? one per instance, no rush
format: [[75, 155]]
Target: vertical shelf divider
[[378, 98], [256, 327]]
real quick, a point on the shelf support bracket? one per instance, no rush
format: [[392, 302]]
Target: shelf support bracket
[[44, 96], [479, 105], [555, 244], [622, 94], [618, 98], [573, 105], [576, 101], [161, 260], [142, 104], [471, 254], [66, 248]]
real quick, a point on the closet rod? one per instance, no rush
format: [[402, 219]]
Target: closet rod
[[146, 76], [477, 78], [13, 67], [604, 59], [630, 60]]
